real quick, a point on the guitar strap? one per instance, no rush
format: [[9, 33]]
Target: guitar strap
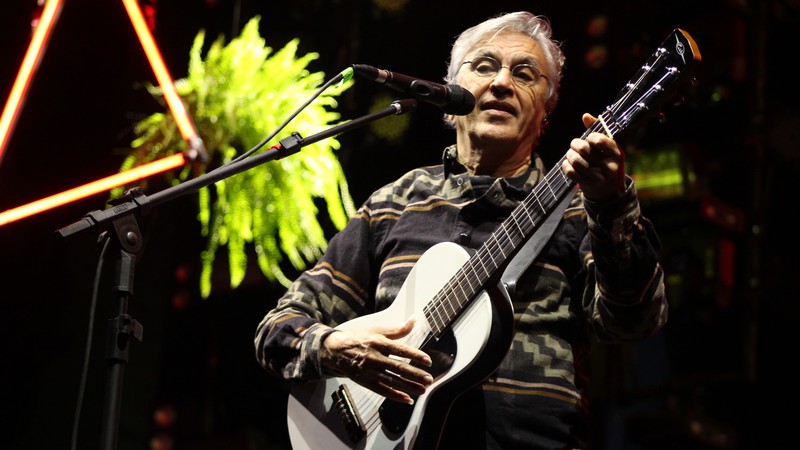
[[534, 245]]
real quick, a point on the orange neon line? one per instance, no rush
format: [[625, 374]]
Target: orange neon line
[[103, 184], [29, 64], [159, 68]]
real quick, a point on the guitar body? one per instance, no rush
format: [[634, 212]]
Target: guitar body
[[467, 353]]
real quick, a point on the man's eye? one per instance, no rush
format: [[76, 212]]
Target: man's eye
[[524, 73], [485, 67]]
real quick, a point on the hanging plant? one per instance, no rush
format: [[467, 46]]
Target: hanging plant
[[239, 94]]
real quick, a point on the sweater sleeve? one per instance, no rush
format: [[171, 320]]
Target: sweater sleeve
[[289, 337], [625, 293]]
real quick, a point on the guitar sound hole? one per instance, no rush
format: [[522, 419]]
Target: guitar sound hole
[[396, 416]]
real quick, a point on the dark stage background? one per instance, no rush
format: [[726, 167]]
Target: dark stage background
[[712, 379]]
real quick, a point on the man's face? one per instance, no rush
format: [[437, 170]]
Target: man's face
[[509, 108]]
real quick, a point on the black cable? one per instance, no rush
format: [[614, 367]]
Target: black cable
[[344, 76], [88, 351]]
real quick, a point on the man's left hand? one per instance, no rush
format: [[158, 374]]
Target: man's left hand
[[597, 164]]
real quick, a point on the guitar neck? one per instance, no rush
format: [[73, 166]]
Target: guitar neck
[[498, 250]]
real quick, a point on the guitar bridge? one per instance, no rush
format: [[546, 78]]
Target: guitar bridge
[[343, 404]]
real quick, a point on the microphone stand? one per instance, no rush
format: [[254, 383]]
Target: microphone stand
[[126, 239]]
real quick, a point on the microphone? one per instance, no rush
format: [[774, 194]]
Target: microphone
[[451, 98]]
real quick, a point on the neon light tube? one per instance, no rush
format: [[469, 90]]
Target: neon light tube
[[185, 125], [103, 184], [30, 63]]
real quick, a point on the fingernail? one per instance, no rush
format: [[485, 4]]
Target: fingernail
[[410, 401], [428, 379]]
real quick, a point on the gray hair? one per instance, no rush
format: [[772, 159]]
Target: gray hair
[[536, 27]]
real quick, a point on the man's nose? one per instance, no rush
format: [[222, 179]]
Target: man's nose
[[503, 78]]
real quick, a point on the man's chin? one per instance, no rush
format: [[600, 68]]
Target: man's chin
[[498, 134]]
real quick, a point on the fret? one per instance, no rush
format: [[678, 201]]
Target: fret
[[527, 212], [436, 314], [483, 266], [475, 276], [502, 253], [514, 219], [563, 176], [506, 231], [550, 188], [479, 276], [443, 306], [430, 310], [468, 276], [464, 294], [487, 250], [539, 201]]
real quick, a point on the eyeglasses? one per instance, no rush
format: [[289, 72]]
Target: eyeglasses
[[524, 75]]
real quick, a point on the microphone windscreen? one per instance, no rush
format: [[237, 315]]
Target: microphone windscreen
[[460, 101]]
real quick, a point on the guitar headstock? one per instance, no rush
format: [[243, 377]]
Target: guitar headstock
[[667, 70]]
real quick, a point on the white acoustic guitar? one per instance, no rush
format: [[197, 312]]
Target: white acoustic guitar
[[464, 317]]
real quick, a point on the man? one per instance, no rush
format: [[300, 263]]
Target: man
[[598, 277]]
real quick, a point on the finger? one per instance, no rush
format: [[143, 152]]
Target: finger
[[603, 146], [578, 155], [579, 146], [391, 346], [407, 352], [396, 384], [580, 170], [574, 160], [588, 119], [389, 383], [405, 370], [375, 359], [397, 332], [389, 386], [583, 167]]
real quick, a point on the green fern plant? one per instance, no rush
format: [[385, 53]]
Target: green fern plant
[[239, 94]]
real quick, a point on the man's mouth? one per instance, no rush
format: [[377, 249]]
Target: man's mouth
[[499, 106]]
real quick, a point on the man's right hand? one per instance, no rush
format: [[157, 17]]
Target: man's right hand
[[375, 359]]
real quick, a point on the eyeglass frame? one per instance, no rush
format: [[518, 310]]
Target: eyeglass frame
[[538, 73]]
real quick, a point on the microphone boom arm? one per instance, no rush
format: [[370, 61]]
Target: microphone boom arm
[[127, 239], [287, 146]]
